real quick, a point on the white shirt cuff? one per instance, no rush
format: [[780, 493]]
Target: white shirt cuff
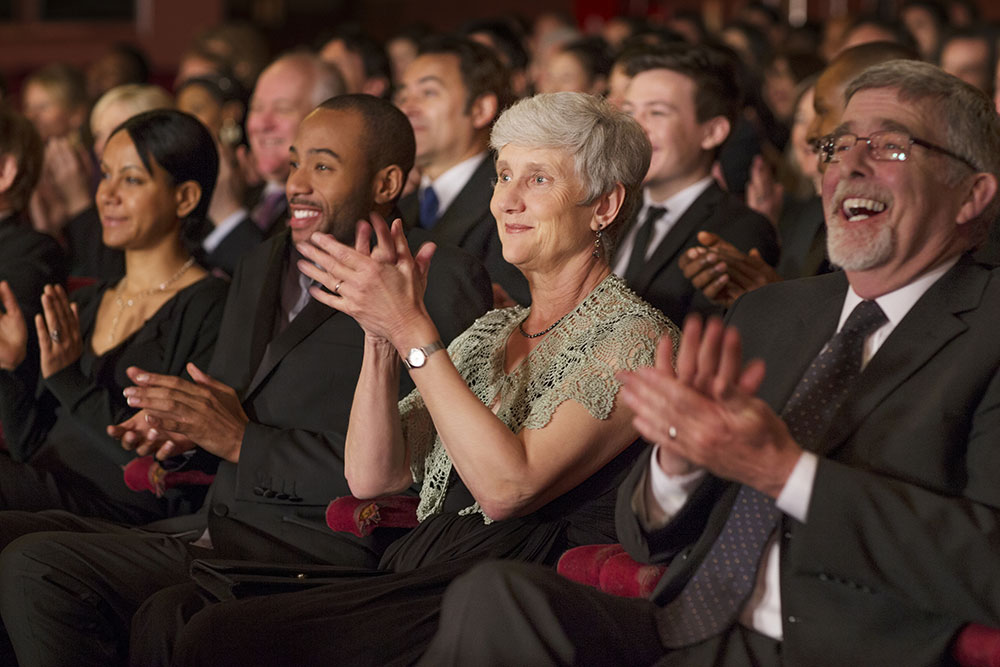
[[794, 498], [671, 491]]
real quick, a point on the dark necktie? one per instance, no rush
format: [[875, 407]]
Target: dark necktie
[[641, 242], [264, 213], [428, 208], [712, 599]]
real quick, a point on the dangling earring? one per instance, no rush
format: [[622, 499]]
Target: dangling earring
[[597, 242]]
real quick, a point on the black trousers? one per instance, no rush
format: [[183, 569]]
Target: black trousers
[[70, 585], [506, 613]]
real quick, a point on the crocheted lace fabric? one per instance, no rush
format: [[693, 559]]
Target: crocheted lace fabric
[[611, 330]]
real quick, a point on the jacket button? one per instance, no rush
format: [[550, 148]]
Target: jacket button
[[301, 575], [793, 619], [220, 510]]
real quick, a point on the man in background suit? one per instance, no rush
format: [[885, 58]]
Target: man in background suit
[[275, 409], [880, 539], [452, 93], [686, 98]]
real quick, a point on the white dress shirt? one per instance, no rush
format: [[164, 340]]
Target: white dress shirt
[[450, 183], [676, 207], [664, 495]]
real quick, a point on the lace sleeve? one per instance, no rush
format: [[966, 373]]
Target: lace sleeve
[[585, 372]]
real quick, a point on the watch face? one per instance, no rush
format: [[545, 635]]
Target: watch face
[[416, 357]]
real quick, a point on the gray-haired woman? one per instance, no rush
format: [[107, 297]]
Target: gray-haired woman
[[515, 431]]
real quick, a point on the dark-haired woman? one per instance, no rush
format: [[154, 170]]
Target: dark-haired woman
[[158, 170]]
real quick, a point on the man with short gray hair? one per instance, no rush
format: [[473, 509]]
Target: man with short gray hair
[[861, 525]]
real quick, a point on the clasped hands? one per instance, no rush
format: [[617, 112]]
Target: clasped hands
[[176, 415], [381, 287], [58, 328], [722, 272], [705, 415]]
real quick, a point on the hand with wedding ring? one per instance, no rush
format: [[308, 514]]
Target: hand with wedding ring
[[13, 330], [705, 413], [381, 287], [58, 327]]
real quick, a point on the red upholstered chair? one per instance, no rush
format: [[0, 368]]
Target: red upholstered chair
[[146, 474], [608, 568], [347, 514]]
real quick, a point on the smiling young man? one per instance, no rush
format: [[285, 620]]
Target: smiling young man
[[686, 98], [452, 92], [274, 407], [867, 513]]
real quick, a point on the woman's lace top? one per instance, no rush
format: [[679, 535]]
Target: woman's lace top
[[611, 330]]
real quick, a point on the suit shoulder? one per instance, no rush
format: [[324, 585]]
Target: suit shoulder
[[789, 295]]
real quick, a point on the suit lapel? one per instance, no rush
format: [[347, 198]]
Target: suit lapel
[[467, 208], [931, 323], [267, 304], [799, 345], [313, 315], [683, 231]]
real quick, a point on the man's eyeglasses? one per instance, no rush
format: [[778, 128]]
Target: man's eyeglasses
[[885, 146]]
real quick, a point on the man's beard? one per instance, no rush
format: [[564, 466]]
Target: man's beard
[[859, 246]]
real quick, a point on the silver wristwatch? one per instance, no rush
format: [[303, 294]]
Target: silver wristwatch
[[417, 356]]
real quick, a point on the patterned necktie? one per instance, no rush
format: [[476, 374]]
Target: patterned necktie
[[712, 599], [264, 213], [428, 208], [637, 259]]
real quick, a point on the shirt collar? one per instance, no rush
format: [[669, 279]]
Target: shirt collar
[[897, 304], [680, 201], [450, 183]]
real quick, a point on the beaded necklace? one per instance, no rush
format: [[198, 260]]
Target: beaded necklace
[[124, 302]]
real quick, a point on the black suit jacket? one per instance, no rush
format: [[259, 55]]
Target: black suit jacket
[[297, 390], [661, 281], [469, 224], [902, 542]]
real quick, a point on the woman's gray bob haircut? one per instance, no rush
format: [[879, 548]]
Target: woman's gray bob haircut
[[608, 147]]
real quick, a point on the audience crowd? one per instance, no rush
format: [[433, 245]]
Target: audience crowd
[[329, 356]]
